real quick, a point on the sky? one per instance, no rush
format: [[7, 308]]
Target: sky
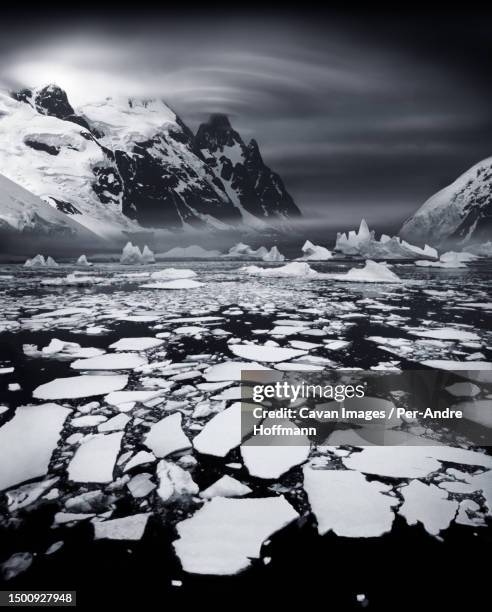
[[363, 115]]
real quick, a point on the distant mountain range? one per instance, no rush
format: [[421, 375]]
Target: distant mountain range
[[124, 165]]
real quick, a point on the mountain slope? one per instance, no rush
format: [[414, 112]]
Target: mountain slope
[[121, 165], [24, 214], [458, 214]]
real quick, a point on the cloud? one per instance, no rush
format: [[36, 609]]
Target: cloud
[[347, 110]]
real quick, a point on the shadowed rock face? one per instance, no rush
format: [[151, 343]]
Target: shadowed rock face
[[170, 178], [251, 183]]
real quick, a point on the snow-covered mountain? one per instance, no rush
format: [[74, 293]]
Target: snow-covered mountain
[[122, 165], [26, 215], [458, 214]]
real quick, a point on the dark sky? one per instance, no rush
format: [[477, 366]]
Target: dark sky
[[361, 114]]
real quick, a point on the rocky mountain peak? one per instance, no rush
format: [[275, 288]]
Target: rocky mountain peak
[[53, 100]]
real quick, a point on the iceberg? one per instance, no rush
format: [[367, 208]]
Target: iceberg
[[132, 255], [363, 243], [147, 255], [273, 255], [244, 251], [82, 261], [190, 252], [372, 272], [314, 252]]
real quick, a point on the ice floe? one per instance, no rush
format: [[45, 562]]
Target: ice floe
[[226, 487], [80, 386], [451, 259], [167, 436], [230, 370], [429, 505], [174, 481], [221, 434], [168, 274], [110, 361], [27, 442], [265, 353], [184, 283], [125, 528], [276, 458], [294, 269], [94, 460], [136, 344], [225, 534], [346, 503]]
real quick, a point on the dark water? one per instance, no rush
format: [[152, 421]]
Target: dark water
[[400, 570]]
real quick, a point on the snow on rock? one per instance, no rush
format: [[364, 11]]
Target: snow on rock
[[95, 459], [27, 442], [83, 261], [166, 436], [80, 386], [184, 283], [364, 243], [226, 487], [346, 503], [459, 213], [125, 528], [190, 252], [110, 361], [429, 505], [273, 255], [372, 272], [314, 252], [230, 370], [224, 535], [172, 274], [265, 352], [295, 269], [136, 344], [174, 481]]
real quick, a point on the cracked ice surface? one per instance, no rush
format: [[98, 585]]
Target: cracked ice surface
[[151, 414]]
